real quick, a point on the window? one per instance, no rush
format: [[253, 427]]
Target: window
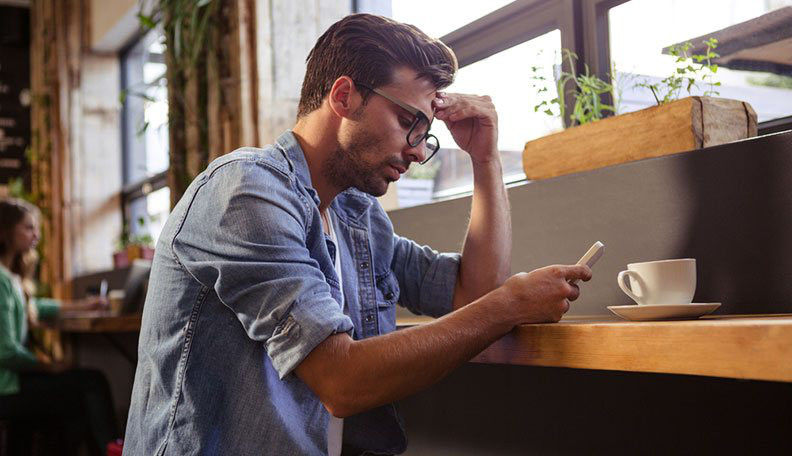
[[146, 197], [641, 29], [504, 77], [497, 44]]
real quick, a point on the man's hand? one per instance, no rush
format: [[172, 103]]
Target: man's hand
[[543, 295], [473, 123]]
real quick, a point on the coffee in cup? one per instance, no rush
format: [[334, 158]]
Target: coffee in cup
[[116, 298], [660, 282]]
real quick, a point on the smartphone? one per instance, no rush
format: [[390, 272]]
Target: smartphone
[[591, 257]]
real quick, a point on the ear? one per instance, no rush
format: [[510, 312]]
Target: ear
[[344, 98]]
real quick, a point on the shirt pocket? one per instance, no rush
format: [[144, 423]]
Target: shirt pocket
[[387, 297]]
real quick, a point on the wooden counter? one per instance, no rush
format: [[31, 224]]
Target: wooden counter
[[97, 322], [748, 347]]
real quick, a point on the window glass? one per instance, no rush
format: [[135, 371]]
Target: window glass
[[145, 110], [148, 213], [641, 29], [145, 134], [505, 77]]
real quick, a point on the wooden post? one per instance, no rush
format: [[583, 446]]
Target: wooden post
[[58, 32], [213, 104]]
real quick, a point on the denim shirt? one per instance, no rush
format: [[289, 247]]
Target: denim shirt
[[243, 287]]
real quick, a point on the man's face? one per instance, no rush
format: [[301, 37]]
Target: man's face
[[373, 150]]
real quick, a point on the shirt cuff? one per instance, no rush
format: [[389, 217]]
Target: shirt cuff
[[308, 323], [437, 289]]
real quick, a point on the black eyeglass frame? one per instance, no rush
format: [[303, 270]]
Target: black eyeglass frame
[[419, 115]]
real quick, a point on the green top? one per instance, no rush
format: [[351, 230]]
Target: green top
[[13, 330]]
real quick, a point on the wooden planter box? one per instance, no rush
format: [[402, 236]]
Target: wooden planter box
[[683, 125]]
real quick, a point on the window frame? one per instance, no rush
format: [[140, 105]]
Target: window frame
[[131, 148], [585, 30]]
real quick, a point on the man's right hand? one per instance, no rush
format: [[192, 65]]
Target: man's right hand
[[352, 376], [543, 295]]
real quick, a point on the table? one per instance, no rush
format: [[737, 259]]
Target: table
[[757, 347], [98, 322]]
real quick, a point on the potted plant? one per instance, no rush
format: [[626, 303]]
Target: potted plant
[[131, 247], [674, 125]]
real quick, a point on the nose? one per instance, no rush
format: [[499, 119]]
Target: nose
[[418, 153]]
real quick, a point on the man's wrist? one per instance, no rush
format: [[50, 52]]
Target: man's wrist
[[496, 305], [491, 167]]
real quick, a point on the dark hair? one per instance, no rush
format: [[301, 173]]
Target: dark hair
[[12, 212], [368, 48]]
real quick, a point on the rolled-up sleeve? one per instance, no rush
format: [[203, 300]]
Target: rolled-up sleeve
[[244, 236], [426, 277]]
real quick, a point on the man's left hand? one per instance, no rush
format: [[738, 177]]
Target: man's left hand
[[473, 123]]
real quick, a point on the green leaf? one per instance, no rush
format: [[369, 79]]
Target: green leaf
[[146, 21]]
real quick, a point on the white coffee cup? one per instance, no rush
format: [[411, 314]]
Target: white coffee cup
[[660, 282]]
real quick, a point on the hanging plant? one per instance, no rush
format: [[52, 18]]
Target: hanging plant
[[190, 28]]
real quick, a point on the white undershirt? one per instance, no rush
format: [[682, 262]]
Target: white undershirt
[[335, 426]]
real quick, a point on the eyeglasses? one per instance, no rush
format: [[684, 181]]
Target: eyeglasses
[[419, 130]]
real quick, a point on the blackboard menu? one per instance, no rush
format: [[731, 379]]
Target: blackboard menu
[[15, 94]]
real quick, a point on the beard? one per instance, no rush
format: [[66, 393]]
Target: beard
[[350, 167]]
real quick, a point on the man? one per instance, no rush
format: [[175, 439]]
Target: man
[[268, 323]]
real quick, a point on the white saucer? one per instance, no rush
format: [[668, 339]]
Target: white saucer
[[664, 311]]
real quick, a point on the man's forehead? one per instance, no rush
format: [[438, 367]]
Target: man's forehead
[[418, 92]]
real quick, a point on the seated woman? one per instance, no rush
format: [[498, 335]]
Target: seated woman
[[32, 387]]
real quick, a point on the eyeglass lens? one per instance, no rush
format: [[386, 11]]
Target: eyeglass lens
[[418, 132]]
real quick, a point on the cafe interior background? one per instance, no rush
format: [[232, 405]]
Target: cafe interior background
[[103, 126]]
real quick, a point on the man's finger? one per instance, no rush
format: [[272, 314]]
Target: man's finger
[[574, 291], [576, 272]]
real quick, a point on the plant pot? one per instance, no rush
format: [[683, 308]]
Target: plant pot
[[120, 259], [124, 258], [683, 125]]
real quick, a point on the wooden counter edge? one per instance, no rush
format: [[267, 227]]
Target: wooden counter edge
[[749, 347], [99, 324]]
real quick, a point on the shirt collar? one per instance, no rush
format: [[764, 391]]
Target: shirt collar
[[296, 157], [350, 204]]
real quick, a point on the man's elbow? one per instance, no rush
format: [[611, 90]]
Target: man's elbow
[[342, 405]]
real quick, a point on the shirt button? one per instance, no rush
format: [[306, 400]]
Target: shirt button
[[364, 265], [389, 295], [369, 318]]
